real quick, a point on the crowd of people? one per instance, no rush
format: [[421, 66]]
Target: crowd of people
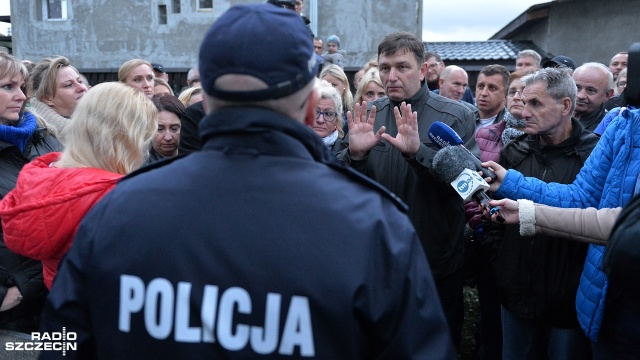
[[303, 220]]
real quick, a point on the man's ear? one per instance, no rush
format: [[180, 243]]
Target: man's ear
[[566, 105], [608, 95], [440, 83], [312, 102], [423, 70]]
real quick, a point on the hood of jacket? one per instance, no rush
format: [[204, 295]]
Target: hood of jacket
[[41, 214]]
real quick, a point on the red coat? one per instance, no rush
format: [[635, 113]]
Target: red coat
[[41, 215]]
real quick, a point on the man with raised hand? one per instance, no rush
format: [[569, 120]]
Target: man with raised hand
[[390, 144]]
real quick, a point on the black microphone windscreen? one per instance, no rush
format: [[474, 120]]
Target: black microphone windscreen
[[449, 162]]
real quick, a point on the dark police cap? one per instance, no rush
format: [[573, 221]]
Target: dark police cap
[[560, 60], [260, 40], [287, 4]]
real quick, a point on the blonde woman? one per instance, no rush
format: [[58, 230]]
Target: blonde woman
[[138, 74], [109, 137], [191, 96], [328, 121], [370, 88], [335, 76], [161, 87], [56, 87]]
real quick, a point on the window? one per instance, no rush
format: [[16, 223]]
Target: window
[[205, 5], [175, 6], [162, 14], [54, 9]]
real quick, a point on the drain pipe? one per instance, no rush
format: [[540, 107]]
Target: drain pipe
[[313, 16]]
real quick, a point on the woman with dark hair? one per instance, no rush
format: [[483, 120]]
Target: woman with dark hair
[[167, 139], [22, 138]]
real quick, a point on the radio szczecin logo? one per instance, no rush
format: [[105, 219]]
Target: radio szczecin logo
[[46, 341]]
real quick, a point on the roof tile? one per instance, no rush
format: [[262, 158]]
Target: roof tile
[[482, 50]]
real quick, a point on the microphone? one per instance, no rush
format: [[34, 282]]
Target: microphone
[[451, 165], [442, 135]]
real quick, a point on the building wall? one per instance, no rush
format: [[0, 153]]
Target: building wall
[[361, 25], [586, 30], [591, 30], [102, 34]]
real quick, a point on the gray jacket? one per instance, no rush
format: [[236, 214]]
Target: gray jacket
[[435, 209]]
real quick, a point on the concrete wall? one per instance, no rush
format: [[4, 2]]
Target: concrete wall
[[592, 30], [361, 25], [102, 34], [586, 30]]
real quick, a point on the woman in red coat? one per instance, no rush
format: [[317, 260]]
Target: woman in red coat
[[108, 136]]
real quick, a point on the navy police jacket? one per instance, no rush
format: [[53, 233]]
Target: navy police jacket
[[257, 246]]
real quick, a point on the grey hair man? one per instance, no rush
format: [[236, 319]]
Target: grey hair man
[[594, 82], [528, 59], [193, 77], [538, 277], [254, 266]]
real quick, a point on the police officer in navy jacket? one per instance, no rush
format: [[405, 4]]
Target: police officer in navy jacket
[[257, 246]]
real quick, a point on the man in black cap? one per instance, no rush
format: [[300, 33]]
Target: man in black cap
[[561, 61], [260, 245], [159, 71]]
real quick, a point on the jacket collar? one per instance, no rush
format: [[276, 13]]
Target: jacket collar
[[260, 131], [576, 132], [592, 119], [420, 97]]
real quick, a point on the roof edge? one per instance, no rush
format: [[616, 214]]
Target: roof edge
[[533, 13]]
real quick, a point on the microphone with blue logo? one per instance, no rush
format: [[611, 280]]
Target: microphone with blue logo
[[442, 136], [452, 165]]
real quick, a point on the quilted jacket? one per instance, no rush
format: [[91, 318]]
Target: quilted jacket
[[40, 216], [607, 180]]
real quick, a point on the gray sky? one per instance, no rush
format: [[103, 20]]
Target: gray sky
[[4, 10], [469, 20], [457, 20]]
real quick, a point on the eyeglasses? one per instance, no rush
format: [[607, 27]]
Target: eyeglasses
[[512, 93], [622, 83], [329, 116], [434, 65]]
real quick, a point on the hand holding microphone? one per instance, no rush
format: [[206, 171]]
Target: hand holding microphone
[[451, 164], [442, 135]]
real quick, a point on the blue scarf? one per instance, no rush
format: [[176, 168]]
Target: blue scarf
[[19, 134]]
